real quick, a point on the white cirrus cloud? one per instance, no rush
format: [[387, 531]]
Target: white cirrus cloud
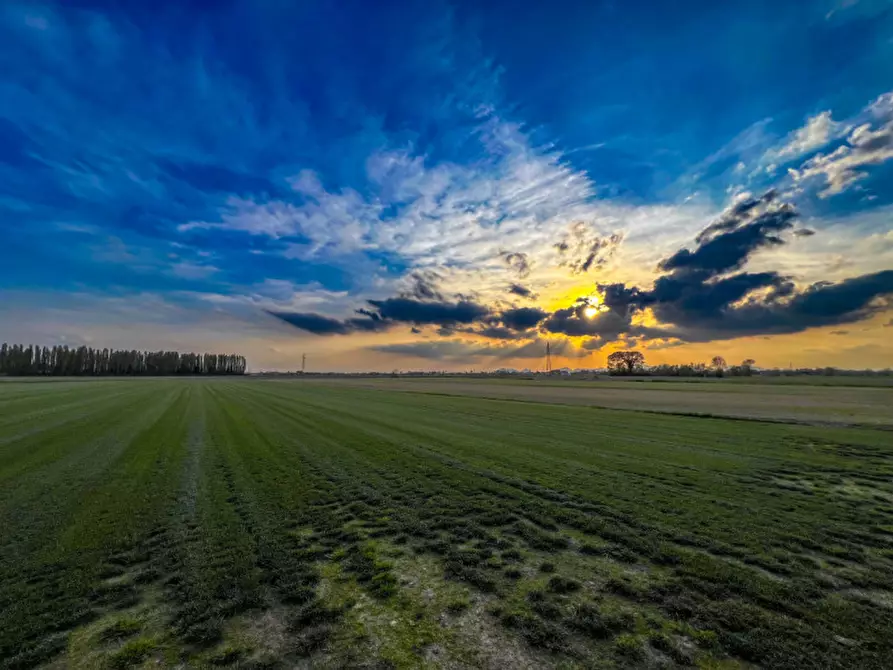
[[819, 130], [843, 167], [462, 220], [869, 142]]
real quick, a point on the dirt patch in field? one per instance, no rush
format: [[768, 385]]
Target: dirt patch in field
[[267, 632], [495, 649]]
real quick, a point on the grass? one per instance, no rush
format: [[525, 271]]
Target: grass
[[244, 523], [815, 404]]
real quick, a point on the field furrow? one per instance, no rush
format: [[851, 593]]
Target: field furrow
[[240, 523]]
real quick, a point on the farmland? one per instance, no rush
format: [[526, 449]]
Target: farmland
[[263, 524], [767, 400]]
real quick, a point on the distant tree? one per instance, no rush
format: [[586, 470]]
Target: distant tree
[[743, 370], [626, 362], [718, 363]]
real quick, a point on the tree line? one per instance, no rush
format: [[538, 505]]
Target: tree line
[[633, 362], [64, 361]]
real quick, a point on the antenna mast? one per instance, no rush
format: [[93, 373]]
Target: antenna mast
[[303, 362]]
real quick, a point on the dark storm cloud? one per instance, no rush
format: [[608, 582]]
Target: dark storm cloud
[[593, 343], [498, 333], [511, 324], [324, 325], [619, 297], [522, 318], [521, 291], [383, 314], [419, 312], [726, 245], [822, 304], [573, 321], [441, 350], [701, 297], [737, 213], [709, 313], [312, 323], [424, 286], [705, 296]]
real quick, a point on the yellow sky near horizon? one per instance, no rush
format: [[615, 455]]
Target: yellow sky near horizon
[[865, 344]]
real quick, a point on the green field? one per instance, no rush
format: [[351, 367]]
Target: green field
[[816, 405], [264, 524]]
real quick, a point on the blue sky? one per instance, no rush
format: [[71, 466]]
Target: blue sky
[[225, 174]]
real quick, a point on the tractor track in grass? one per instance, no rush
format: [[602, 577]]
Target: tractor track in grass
[[241, 523]]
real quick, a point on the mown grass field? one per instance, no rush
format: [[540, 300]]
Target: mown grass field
[[820, 404], [263, 524]]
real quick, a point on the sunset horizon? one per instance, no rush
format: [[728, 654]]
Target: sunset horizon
[[448, 186]]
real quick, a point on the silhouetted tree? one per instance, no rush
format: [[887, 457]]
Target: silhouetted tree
[[625, 362]]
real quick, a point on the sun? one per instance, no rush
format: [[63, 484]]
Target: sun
[[594, 306]]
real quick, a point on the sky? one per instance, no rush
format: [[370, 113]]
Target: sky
[[450, 185]]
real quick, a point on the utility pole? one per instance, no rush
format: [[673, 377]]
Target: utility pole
[[548, 358], [303, 362]]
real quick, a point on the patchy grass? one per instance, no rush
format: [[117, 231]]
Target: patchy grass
[[841, 401], [238, 523], [132, 653]]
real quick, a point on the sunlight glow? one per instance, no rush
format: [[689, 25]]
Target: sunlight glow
[[594, 306]]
